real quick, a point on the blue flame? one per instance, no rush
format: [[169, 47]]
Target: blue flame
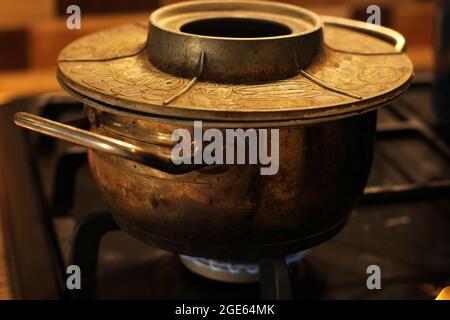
[[239, 267]]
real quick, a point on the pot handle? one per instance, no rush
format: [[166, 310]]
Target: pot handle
[[387, 34], [151, 155]]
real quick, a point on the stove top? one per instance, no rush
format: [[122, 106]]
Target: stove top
[[402, 223]]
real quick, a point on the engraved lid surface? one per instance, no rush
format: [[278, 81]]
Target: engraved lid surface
[[355, 68]]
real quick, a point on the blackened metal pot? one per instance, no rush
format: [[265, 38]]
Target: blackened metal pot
[[231, 64]]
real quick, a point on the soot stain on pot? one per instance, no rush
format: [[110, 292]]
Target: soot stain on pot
[[210, 201], [157, 201], [254, 195]]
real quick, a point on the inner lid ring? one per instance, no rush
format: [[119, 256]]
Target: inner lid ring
[[234, 27], [233, 41]]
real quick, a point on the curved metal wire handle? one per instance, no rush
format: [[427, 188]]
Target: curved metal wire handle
[[201, 65], [384, 33]]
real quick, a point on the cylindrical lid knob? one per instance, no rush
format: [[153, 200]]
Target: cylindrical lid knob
[[233, 41]]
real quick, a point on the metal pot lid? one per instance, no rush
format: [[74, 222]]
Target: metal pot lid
[[239, 61]]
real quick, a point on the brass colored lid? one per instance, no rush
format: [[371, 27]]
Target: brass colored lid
[[238, 61]]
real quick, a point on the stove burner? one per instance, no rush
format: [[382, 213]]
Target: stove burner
[[89, 231], [230, 271]]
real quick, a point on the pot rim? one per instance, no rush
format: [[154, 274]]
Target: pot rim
[[223, 123]]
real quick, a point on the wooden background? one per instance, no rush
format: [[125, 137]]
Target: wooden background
[[32, 32]]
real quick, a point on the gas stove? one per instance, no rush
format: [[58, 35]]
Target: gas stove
[[53, 216]]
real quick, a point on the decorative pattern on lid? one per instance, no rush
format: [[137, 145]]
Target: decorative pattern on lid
[[133, 83]]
